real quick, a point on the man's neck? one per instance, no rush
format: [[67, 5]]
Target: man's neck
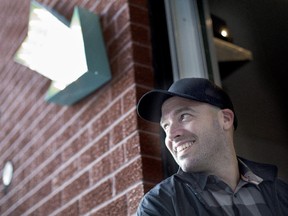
[[230, 173]]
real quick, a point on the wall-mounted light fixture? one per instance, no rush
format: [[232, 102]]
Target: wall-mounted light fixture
[[220, 29], [72, 55], [7, 175]]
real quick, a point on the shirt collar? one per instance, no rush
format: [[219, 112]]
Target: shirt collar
[[247, 174], [201, 178]]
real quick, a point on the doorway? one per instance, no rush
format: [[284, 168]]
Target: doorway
[[257, 86]]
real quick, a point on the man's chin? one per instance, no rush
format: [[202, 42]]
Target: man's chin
[[185, 166]]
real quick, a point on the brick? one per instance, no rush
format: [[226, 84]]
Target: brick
[[139, 3], [117, 207], [114, 8], [109, 32], [9, 202], [49, 206], [114, 112], [13, 140], [139, 15], [129, 100], [140, 92], [117, 134], [142, 54], [152, 169], [123, 19], [99, 98], [101, 169], [118, 5], [46, 171], [148, 126], [95, 151], [19, 210], [68, 172], [100, 6], [128, 176], [60, 140], [96, 196], [76, 145], [118, 42], [71, 210], [122, 83], [122, 62], [133, 198], [17, 179], [69, 113], [48, 117], [71, 130], [132, 147], [140, 34], [150, 144], [75, 188], [100, 101], [130, 123], [117, 158], [32, 200], [32, 183], [91, 4], [44, 155], [99, 126]]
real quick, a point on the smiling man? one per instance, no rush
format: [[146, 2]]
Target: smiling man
[[199, 121]]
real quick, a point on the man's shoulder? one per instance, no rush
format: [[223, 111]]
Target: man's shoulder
[[158, 199], [165, 185], [176, 182], [168, 197]]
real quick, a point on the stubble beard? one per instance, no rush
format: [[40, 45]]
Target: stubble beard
[[210, 149]]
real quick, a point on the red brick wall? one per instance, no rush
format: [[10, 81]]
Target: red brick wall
[[96, 157]]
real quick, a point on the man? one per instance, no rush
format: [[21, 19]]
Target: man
[[199, 121]]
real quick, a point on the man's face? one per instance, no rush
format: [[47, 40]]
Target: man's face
[[194, 135]]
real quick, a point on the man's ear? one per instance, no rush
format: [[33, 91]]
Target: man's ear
[[228, 117]]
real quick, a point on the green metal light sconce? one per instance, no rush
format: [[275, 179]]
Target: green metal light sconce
[[72, 55]]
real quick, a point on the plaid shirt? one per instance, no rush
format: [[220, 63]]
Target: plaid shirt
[[245, 200], [198, 194]]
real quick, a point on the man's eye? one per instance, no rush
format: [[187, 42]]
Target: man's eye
[[184, 116]]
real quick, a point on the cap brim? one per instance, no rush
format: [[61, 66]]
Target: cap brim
[[150, 104]]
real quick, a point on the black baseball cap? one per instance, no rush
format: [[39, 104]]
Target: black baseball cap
[[198, 89]]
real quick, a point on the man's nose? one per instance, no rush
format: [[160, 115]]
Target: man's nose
[[174, 131]]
